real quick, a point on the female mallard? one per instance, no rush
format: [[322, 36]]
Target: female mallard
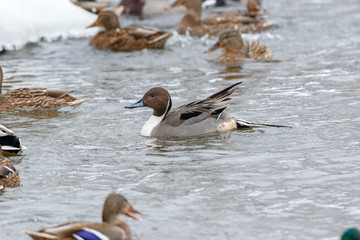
[[36, 98], [191, 22], [111, 228], [236, 49], [9, 141], [133, 37], [9, 177]]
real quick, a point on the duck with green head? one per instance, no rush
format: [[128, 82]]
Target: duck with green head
[[351, 234]]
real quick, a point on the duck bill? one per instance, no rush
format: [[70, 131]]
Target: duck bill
[[175, 4], [131, 212], [214, 47], [95, 24], [139, 103]]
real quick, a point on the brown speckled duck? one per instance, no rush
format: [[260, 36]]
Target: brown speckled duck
[[9, 177], [244, 22], [36, 98], [236, 49], [111, 228], [133, 37]]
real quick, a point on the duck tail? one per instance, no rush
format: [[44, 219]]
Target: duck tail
[[161, 37], [242, 124], [40, 235]]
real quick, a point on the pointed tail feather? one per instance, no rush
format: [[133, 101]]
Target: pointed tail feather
[[165, 35], [241, 124]]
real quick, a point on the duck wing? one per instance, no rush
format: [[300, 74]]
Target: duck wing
[[79, 230], [198, 111], [35, 92], [145, 32]]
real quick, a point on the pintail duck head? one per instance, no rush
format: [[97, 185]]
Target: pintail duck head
[[230, 40], [115, 205], [108, 20], [156, 98]]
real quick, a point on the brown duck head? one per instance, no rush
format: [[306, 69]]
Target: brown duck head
[[230, 40], [116, 204], [108, 20], [191, 5], [156, 98], [253, 6]]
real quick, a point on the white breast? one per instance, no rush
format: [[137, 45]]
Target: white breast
[[150, 125]]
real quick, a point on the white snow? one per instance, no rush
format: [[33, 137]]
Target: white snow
[[25, 21]]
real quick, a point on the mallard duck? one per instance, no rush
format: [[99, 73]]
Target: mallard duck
[[195, 118], [351, 234], [9, 141], [111, 228], [9, 177], [236, 49], [36, 97], [192, 22], [133, 37]]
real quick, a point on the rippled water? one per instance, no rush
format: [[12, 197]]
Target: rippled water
[[298, 183]]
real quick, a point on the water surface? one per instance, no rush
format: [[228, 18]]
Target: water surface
[[273, 183]]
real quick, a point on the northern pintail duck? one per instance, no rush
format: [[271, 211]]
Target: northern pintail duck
[[351, 234], [196, 118], [236, 49], [193, 24], [133, 37], [36, 98], [9, 177], [9, 141], [111, 228]]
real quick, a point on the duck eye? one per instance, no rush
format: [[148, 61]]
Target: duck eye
[[151, 95]]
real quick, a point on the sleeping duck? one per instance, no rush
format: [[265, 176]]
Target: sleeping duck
[[133, 37]]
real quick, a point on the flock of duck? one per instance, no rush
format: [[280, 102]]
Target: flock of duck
[[198, 117]]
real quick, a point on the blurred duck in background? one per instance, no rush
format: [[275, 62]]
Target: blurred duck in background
[[235, 49], [9, 177], [133, 37], [245, 22], [36, 98]]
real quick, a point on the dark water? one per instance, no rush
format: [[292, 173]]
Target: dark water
[[298, 183]]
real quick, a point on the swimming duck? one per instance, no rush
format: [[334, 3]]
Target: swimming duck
[[196, 118], [133, 37], [111, 228], [9, 141], [351, 234], [36, 97], [236, 49], [9, 177], [192, 22]]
